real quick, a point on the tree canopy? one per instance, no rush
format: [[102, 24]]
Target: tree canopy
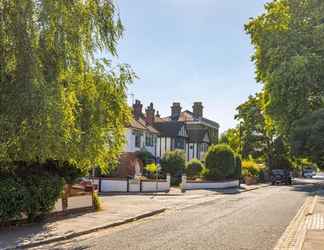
[[289, 57], [254, 136], [57, 99], [307, 137]]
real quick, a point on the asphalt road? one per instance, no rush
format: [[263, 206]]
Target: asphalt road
[[250, 220]]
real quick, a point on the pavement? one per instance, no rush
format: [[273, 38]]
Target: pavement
[[116, 210], [306, 230], [250, 220]]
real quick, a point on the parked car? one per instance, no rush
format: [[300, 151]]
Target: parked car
[[308, 173], [281, 176]]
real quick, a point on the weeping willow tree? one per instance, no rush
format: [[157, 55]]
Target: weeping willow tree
[[57, 99]]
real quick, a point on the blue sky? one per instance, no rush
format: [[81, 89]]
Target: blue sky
[[190, 50]]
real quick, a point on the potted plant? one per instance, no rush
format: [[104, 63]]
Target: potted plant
[[250, 172]]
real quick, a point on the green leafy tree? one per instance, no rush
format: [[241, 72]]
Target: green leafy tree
[[289, 57], [253, 133], [231, 137], [280, 155], [307, 137], [57, 100]]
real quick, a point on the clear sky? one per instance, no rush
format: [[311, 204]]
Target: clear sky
[[190, 50]]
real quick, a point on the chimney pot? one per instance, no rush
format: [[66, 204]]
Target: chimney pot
[[137, 109], [197, 110], [150, 114], [175, 111]]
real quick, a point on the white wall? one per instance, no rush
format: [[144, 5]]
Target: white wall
[[130, 143], [163, 146], [162, 186], [190, 185], [191, 151], [109, 185], [120, 185]]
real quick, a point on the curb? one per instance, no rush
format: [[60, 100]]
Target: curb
[[76, 234], [254, 188], [106, 226], [294, 235]]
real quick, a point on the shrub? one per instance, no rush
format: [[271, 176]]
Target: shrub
[[151, 170], [174, 162], [43, 191], [96, 201], [194, 168], [204, 173], [12, 197], [31, 189], [145, 156], [220, 162], [250, 168], [237, 168]]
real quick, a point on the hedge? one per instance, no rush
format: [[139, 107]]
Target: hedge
[[31, 189], [194, 168], [220, 162], [174, 163]]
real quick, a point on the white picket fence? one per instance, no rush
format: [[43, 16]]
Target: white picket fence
[[123, 185]]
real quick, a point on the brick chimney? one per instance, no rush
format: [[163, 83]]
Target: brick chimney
[[197, 110], [137, 109], [150, 114], [175, 111]]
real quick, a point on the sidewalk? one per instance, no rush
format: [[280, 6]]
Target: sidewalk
[[117, 210], [306, 230], [314, 224]]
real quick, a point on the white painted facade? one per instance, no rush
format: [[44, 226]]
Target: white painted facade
[[196, 151], [132, 146]]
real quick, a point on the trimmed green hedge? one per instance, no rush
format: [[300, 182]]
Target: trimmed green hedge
[[31, 190], [220, 162], [194, 168], [174, 163]]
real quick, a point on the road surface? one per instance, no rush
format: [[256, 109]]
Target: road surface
[[250, 220]]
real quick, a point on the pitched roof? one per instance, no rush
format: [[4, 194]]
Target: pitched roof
[[136, 125], [140, 124], [169, 128], [149, 128], [197, 135], [187, 116]]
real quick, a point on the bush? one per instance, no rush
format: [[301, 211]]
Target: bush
[[194, 168], [145, 156], [237, 168], [151, 170], [12, 198], [250, 168], [174, 162], [32, 189], [204, 173], [220, 162], [96, 201]]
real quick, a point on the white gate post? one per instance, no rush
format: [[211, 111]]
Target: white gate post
[[168, 178], [183, 182]]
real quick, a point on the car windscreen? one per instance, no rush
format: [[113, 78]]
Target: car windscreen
[[278, 171]]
